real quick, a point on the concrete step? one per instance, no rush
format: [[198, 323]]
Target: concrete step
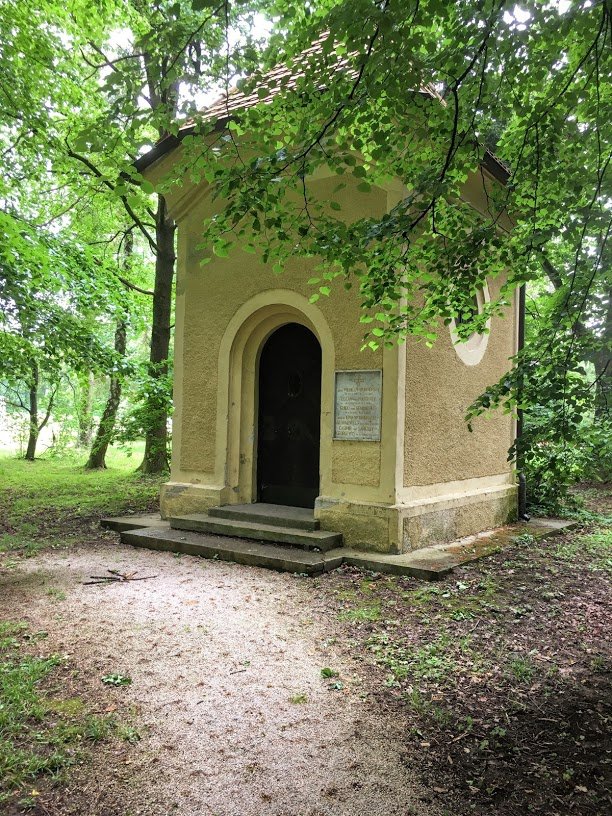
[[251, 553], [430, 563], [305, 539], [134, 522], [278, 515]]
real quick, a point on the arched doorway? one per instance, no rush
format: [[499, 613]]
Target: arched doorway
[[289, 417]]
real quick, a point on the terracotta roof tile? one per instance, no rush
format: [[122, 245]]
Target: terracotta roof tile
[[279, 79]]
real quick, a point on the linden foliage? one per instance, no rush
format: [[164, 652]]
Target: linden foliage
[[403, 101], [410, 100], [534, 93]]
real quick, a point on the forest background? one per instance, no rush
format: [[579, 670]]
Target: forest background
[[87, 259]]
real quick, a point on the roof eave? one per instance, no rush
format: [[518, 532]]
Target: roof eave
[[169, 143]]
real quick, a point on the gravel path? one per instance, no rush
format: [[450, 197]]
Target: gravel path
[[216, 652]]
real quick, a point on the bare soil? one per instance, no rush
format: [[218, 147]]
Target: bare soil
[[501, 675]]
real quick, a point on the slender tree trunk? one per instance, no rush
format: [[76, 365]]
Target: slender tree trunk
[[603, 368], [97, 456], [33, 411], [156, 442], [85, 409]]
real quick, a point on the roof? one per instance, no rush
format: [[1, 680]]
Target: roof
[[281, 78]]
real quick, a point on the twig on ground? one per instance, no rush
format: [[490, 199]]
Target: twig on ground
[[116, 577]]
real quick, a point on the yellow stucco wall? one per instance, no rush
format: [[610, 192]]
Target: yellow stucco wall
[[208, 298], [438, 447]]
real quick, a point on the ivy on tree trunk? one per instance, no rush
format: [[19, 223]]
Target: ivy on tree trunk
[[85, 409], [35, 427], [33, 411]]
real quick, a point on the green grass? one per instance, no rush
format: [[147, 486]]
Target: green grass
[[596, 547], [435, 660], [39, 735], [365, 612], [457, 601], [522, 669], [41, 501], [56, 594]]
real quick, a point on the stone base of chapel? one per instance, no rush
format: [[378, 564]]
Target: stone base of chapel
[[183, 498], [397, 528], [401, 528]]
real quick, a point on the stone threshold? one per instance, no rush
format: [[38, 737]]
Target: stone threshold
[[429, 563]]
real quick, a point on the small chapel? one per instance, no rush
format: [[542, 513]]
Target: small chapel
[[282, 421]]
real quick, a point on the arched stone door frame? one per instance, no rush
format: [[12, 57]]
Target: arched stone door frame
[[239, 355]]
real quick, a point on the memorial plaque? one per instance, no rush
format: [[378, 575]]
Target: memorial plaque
[[358, 405]]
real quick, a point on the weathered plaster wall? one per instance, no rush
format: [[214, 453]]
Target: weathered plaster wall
[[210, 296], [438, 447]]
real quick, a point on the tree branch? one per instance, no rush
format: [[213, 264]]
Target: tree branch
[[49, 408], [133, 286], [191, 38], [98, 173]]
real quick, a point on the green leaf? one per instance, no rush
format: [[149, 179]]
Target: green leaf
[[199, 5], [116, 680]]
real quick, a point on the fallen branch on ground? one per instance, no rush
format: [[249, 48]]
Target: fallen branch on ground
[[116, 577]]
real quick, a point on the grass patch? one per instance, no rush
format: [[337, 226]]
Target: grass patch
[[39, 735], [42, 503], [596, 547], [435, 660], [522, 669], [56, 594], [425, 708], [365, 612], [128, 733], [458, 601]]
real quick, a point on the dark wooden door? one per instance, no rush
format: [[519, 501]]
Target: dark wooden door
[[289, 417]]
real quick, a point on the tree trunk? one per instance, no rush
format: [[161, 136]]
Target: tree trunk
[[97, 456], [85, 408], [156, 441], [33, 411], [603, 367]]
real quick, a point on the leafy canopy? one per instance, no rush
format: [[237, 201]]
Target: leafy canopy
[[422, 92]]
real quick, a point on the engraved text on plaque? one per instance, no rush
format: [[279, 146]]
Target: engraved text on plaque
[[358, 405]]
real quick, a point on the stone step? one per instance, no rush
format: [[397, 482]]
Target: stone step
[[278, 515], [133, 522], [429, 563], [250, 553], [305, 539]]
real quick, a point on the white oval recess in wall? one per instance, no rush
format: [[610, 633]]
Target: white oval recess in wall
[[471, 351]]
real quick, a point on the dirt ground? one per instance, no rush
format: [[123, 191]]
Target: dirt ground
[[489, 692], [227, 694]]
